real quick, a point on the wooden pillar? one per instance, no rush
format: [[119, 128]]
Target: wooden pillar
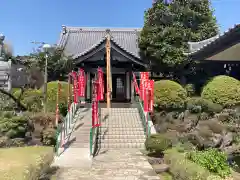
[[109, 89], [128, 84]]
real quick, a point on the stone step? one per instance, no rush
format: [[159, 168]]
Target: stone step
[[123, 136], [121, 125], [122, 122], [119, 110], [110, 141], [121, 145], [122, 128], [122, 133]]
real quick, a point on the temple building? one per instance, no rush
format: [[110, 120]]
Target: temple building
[[87, 47], [219, 54]]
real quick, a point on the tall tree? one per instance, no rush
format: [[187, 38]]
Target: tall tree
[[169, 25], [58, 64]]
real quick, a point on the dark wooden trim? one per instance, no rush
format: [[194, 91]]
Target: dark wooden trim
[[126, 54], [90, 54], [114, 46]]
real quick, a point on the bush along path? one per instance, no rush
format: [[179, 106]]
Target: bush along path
[[203, 130]]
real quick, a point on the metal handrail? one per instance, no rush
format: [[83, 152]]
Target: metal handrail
[[64, 129], [94, 134], [144, 118]]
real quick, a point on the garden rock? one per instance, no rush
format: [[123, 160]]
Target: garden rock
[[160, 168], [227, 140]]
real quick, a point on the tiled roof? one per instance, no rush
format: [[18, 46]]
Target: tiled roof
[[197, 47], [78, 41]]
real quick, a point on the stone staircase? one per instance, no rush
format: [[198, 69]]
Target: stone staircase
[[121, 128], [121, 136]]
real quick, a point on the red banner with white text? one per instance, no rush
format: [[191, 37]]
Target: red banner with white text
[[151, 95], [75, 86], [143, 77], [101, 85], [145, 95], [81, 83], [95, 104]]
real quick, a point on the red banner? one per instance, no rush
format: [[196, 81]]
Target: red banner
[[151, 95], [143, 77], [75, 86], [135, 84], [145, 95], [101, 85], [81, 83], [95, 105]]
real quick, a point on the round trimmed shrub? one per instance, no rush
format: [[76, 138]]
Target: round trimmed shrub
[[169, 95], [223, 90], [158, 143], [52, 88]]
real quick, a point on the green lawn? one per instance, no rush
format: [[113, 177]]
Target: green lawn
[[24, 163]]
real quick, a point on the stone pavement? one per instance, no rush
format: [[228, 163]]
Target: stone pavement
[[123, 164]]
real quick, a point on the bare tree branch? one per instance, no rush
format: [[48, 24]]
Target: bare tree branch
[[17, 101]]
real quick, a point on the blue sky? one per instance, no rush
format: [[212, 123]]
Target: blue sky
[[24, 21]]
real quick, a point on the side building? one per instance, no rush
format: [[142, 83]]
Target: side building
[[220, 54]]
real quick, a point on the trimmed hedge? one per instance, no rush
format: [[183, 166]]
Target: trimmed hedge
[[183, 169], [13, 126], [52, 88], [198, 104], [222, 90], [158, 143], [169, 95]]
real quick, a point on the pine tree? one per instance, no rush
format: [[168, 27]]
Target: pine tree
[[170, 24]]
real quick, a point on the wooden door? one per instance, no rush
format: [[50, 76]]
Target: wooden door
[[118, 87]]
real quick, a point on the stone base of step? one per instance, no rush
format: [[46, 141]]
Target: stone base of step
[[110, 122], [133, 130], [137, 126], [120, 133], [110, 141], [121, 145], [123, 136]]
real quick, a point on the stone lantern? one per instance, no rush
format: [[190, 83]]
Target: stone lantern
[[5, 67]]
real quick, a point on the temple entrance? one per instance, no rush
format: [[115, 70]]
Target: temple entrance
[[118, 87]]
